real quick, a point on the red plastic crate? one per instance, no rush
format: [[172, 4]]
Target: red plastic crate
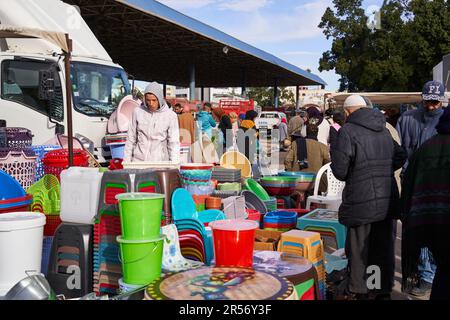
[[53, 221]]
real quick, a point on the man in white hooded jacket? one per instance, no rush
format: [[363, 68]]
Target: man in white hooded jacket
[[153, 134]]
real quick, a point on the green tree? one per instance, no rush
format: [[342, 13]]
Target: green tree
[[399, 56], [264, 96]]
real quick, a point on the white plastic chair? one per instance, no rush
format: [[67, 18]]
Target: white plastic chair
[[333, 198]]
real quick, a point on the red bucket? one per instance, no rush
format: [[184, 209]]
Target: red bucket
[[233, 242]]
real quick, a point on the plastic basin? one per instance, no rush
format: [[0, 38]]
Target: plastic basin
[[257, 189]]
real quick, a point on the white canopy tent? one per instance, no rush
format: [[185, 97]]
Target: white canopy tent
[[383, 98]]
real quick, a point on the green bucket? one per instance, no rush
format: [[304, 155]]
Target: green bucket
[[140, 215], [141, 260]]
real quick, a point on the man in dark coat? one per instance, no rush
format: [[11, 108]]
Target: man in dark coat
[[415, 127], [365, 156]]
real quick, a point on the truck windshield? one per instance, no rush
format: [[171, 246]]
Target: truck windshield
[[97, 89]]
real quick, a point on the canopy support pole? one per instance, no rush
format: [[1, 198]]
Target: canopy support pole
[[244, 84], [275, 93], [192, 82]]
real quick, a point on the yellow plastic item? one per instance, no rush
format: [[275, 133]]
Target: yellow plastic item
[[236, 160], [304, 243]]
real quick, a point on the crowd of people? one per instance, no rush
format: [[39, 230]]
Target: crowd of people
[[390, 174]]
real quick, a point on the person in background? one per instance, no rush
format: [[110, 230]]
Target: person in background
[[426, 209], [241, 118], [415, 127], [297, 122], [338, 121], [225, 124], [307, 154], [153, 134], [324, 126], [205, 120], [283, 132], [365, 156], [247, 136], [186, 123], [234, 122]]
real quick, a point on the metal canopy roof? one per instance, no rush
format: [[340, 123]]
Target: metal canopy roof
[[154, 42]]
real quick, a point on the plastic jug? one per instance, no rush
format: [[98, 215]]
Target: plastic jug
[[80, 190]]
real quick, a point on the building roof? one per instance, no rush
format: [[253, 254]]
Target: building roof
[[154, 42]]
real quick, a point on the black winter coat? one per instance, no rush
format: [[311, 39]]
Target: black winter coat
[[365, 156]]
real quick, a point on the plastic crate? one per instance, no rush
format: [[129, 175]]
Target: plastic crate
[[15, 137], [40, 152], [19, 164], [56, 161], [46, 250], [53, 222], [46, 195]]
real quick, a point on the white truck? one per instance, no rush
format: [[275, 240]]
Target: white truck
[[269, 119], [98, 84]]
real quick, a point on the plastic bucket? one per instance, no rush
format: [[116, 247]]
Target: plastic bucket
[[233, 242], [117, 150], [21, 238], [140, 215], [141, 260]]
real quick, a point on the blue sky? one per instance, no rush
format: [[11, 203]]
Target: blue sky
[[285, 28]]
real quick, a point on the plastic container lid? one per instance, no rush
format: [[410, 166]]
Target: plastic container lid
[[196, 166], [21, 220], [234, 225], [139, 196], [11, 188]]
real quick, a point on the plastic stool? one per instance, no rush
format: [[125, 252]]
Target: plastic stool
[[324, 222], [169, 181], [72, 247]]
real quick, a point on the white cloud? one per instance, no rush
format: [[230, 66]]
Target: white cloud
[[186, 4], [273, 27], [244, 5]]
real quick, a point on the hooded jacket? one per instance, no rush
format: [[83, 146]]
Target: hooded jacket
[[153, 136], [417, 126], [206, 122], [365, 157]]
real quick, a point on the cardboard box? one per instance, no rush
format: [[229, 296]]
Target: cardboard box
[[267, 239]]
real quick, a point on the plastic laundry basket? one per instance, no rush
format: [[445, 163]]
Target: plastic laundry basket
[[21, 237], [20, 164]]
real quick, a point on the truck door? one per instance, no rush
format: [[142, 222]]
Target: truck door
[[21, 105]]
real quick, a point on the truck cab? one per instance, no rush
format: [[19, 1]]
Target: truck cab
[[98, 84]]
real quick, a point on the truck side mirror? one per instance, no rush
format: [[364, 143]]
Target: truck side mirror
[[133, 91], [46, 85]]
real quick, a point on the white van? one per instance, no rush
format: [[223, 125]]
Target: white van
[[98, 84], [269, 119]]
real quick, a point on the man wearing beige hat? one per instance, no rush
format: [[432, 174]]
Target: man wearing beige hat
[[365, 157]]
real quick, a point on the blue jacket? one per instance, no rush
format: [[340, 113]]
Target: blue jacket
[[415, 127], [206, 121]]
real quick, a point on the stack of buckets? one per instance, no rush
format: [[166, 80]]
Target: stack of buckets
[[141, 242]]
